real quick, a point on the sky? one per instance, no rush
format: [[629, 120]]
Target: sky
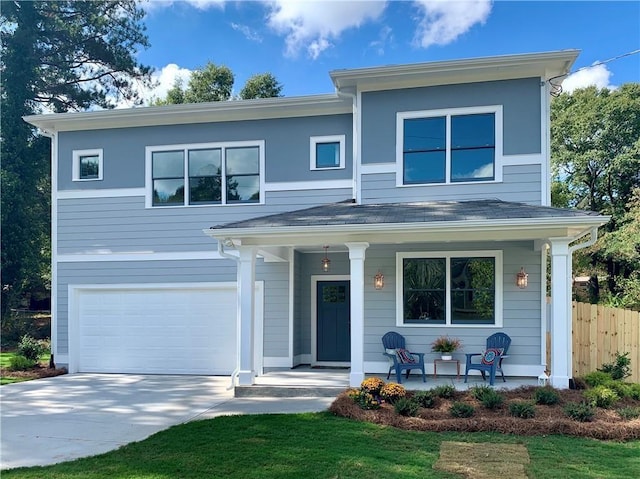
[[299, 42]]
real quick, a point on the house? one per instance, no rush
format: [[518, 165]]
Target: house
[[234, 237]]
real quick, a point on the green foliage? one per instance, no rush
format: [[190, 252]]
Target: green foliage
[[522, 409], [546, 396], [634, 391], [622, 389], [445, 344], [628, 413], [426, 399], [461, 409], [446, 391], [364, 399], [478, 392], [391, 392], [597, 378], [580, 411], [492, 399], [262, 85], [406, 407], [601, 396], [32, 348], [20, 363], [620, 368]]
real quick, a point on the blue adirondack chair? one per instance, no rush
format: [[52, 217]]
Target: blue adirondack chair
[[395, 341], [491, 360]]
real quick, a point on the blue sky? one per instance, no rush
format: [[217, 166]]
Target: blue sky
[[301, 41]]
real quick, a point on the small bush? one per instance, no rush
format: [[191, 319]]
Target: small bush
[[391, 392], [20, 363], [522, 409], [622, 389], [478, 392], [460, 409], [547, 396], [579, 411], [634, 391], [629, 413], [597, 378], [406, 407], [492, 399], [425, 399], [601, 396], [372, 385], [363, 399], [620, 368], [31, 348], [446, 392]]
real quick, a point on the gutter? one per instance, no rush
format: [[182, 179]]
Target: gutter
[[236, 371]]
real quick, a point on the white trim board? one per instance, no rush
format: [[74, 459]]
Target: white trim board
[[100, 193], [138, 256], [308, 185]]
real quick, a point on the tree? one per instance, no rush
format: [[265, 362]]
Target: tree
[[262, 85], [595, 146], [58, 55]]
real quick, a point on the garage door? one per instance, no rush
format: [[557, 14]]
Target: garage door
[[159, 330]]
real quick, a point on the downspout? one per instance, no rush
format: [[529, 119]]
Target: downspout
[[236, 371], [590, 242]]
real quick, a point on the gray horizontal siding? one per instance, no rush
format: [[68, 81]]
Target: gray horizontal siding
[[520, 183]]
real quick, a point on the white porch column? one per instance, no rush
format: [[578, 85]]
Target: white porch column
[[356, 258], [561, 328], [246, 313]]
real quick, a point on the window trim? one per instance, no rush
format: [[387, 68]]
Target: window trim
[[77, 155], [185, 147], [448, 113], [314, 140], [447, 255]]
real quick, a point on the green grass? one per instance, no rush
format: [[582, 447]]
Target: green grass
[[323, 446], [5, 360]]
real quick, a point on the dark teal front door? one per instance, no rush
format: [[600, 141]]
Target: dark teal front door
[[334, 321]]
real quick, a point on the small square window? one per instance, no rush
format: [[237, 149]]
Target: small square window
[[87, 165], [327, 152]]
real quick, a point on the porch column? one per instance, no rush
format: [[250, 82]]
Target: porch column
[[246, 314], [561, 328], [356, 259]]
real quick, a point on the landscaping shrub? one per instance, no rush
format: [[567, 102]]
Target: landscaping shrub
[[460, 409], [478, 392], [391, 392], [522, 409], [622, 389], [426, 399], [629, 413], [601, 396], [372, 385], [20, 363], [597, 378], [579, 411], [31, 348], [363, 399], [620, 368], [634, 391], [406, 407], [546, 395], [446, 392], [492, 399]]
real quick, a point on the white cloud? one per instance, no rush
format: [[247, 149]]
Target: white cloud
[[163, 80], [597, 76], [247, 31], [385, 37], [443, 21], [152, 5], [312, 25]]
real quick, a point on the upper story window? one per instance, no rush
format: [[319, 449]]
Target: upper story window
[[87, 165], [449, 146], [206, 174], [327, 152], [449, 289]]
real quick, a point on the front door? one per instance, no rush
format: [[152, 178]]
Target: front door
[[333, 321]]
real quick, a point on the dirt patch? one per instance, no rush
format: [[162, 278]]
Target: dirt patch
[[483, 461], [607, 423], [37, 372]]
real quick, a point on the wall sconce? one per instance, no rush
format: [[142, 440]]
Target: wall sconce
[[378, 280], [522, 279], [326, 262]]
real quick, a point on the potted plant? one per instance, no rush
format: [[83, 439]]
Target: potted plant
[[446, 345]]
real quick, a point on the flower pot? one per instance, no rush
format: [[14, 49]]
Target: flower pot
[[447, 357]]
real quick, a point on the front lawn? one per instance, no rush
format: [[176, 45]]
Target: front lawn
[[324, 446], [40, 371]]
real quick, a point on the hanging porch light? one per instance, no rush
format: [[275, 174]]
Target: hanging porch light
[[326, 262]]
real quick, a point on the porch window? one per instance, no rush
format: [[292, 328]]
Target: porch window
[[449, 146], [450, 289]]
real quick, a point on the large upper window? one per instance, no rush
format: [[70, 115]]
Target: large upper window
[[87, 165], [449, 146], [206, 174], [454, 288]]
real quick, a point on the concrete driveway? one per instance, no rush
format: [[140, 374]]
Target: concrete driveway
[[67, 417]]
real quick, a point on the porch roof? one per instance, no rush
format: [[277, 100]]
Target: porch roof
[[481, 219]]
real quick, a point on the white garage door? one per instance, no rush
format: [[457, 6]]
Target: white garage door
[[159, 330]]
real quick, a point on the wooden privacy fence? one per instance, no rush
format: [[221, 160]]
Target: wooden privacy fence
[[599, 332]]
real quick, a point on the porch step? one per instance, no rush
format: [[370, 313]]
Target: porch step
[[258, 390]]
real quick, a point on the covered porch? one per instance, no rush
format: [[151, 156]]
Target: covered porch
[[375, 238]]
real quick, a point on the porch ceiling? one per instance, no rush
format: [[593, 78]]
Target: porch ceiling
[[392, 223]]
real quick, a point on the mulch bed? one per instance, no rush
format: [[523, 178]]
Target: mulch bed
[[37, 372], [606, 424]]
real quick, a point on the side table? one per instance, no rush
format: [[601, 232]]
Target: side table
[[439, 360]]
